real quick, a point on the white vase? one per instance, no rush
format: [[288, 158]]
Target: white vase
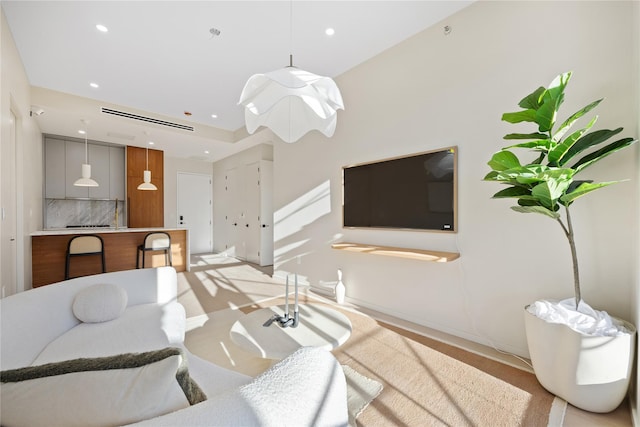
[[340, 289], [590, 372]]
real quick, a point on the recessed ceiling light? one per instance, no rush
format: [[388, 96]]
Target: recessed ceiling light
[[329, 31], [102, 28], [214, 116], [81, 132], [151, 143], [206, 151], [94, 85]]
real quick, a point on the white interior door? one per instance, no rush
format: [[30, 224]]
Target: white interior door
[[8, 212], [235, 246], [252, 217], [259, 212], [266, 212], [195, 210]]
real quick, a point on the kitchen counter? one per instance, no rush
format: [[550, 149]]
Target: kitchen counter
[[49, 247], [98, 230]]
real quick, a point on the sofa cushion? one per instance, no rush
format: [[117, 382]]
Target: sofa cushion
[[100, 303], [102, 391], [140, 328], [308, 388]]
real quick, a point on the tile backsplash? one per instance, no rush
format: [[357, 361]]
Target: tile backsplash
[[60, 213]]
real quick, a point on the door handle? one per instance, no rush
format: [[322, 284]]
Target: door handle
[[265, 225], [247, 225], [235, 224]]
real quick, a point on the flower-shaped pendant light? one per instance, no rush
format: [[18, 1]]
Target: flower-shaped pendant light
[[291, 101], [85, 180]]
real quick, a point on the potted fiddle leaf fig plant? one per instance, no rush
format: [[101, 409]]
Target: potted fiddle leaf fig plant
[[564, 353]]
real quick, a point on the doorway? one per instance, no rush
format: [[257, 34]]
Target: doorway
[[8, 212], [195, 210]]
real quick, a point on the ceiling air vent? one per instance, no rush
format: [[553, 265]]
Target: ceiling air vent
[[146, 119]]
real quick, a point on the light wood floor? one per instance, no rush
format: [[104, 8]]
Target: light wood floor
[[244, 284]]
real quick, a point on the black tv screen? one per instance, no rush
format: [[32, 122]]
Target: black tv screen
[[415, 192]]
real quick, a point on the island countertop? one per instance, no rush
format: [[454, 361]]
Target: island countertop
[[49, 247], [98, 230]]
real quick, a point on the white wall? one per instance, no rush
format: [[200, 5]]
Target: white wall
[[434, 91], [636, 297], [15, 96]]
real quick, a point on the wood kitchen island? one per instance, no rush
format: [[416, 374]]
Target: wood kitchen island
[[49, 247]]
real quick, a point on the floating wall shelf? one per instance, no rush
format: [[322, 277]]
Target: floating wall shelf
[[417, 254]]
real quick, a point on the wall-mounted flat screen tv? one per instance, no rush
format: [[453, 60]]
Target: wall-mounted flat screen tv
[[415, 192]]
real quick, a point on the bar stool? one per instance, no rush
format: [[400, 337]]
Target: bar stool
[[85, 245], [156, 241]]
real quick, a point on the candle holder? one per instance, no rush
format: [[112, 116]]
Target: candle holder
[[286, 320]]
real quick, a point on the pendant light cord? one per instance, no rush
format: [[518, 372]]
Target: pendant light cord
[[86, 149], [290, 60], [291, 34]]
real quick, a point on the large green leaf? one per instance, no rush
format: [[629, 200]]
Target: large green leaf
[[511, 192], [536, 209], [491, 176], [535, 135], [564, 127], [602, 153], [528, 179], [589, 140], [503, 160], [584, 188], [532, 101], [548, 192], [520, 116], [556, 155], [576, 183], [501, 176], [528, 201], [552, 98], [546, 115], [522, 174], [557, 173], [540, 145]]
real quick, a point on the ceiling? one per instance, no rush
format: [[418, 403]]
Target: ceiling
[[161, 59]]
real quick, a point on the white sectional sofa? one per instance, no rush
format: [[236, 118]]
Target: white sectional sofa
[[108, 350]]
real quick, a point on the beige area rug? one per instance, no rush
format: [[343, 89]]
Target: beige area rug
[[425, 382], [428, 383]]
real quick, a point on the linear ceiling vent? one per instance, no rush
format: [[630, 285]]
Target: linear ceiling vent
[[146, 119]]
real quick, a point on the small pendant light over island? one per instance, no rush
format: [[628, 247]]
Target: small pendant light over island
[[85, 180], [146, 177]]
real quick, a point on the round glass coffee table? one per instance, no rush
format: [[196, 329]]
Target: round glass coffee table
[[318, 326]]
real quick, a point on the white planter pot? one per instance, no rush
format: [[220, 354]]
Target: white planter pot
[[590, 372]]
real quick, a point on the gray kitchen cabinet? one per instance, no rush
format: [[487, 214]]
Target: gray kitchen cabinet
[[63, 161], [54, 168], [99, 160], [116, 173]]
